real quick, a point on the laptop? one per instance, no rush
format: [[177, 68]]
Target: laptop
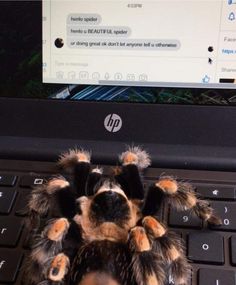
[[107, 75]]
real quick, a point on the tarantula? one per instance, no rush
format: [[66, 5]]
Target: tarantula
[[108, 232]]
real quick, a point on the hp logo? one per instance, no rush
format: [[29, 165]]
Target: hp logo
[[113, 123]]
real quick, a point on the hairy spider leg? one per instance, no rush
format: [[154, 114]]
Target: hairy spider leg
[[133, 161], [81, 174], [179, 195], [169, 247], [146, 264], [56, 192], [94, 179], [130, 181], [53, 252], [153, 201], [77, 162], [47, 245]]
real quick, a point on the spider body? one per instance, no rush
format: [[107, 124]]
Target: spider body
[[108, 231]]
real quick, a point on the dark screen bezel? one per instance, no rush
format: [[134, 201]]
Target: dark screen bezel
[[180, 136]]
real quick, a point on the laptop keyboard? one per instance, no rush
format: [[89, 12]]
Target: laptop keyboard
[[211, 250]]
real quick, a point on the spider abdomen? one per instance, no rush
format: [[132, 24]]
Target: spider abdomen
[[100, 260], [98, 278]]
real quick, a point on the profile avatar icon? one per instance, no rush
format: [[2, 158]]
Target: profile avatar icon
[[59, 43], [210, 48]]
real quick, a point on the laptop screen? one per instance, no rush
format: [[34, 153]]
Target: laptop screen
[[157, 52]]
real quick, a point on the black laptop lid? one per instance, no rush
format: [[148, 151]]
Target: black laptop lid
[[182, 126]]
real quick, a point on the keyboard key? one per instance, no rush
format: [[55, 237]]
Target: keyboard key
[[7, 180], [169, 280], [216, 277], [21, 208], [216, 191], [233, 250], [227, 212], [206, 247], [32, 180], [10, 262], [184, 219], [10, 230], [7, 197]]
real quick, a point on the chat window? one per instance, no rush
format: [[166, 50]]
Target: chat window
[[140, 43]]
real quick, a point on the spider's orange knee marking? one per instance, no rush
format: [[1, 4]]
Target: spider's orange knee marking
[[152, 280], [173, 253], [58, 268], [206, 216], [214, 220], [168, 186], [56, 184], [191, 200], [211, 218], [140, 239], [130, 157], [57, 229], [153, 226], [82, 157]]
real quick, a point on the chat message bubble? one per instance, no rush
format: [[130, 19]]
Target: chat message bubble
[[84, 19], [127, 44], [98, 31]]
